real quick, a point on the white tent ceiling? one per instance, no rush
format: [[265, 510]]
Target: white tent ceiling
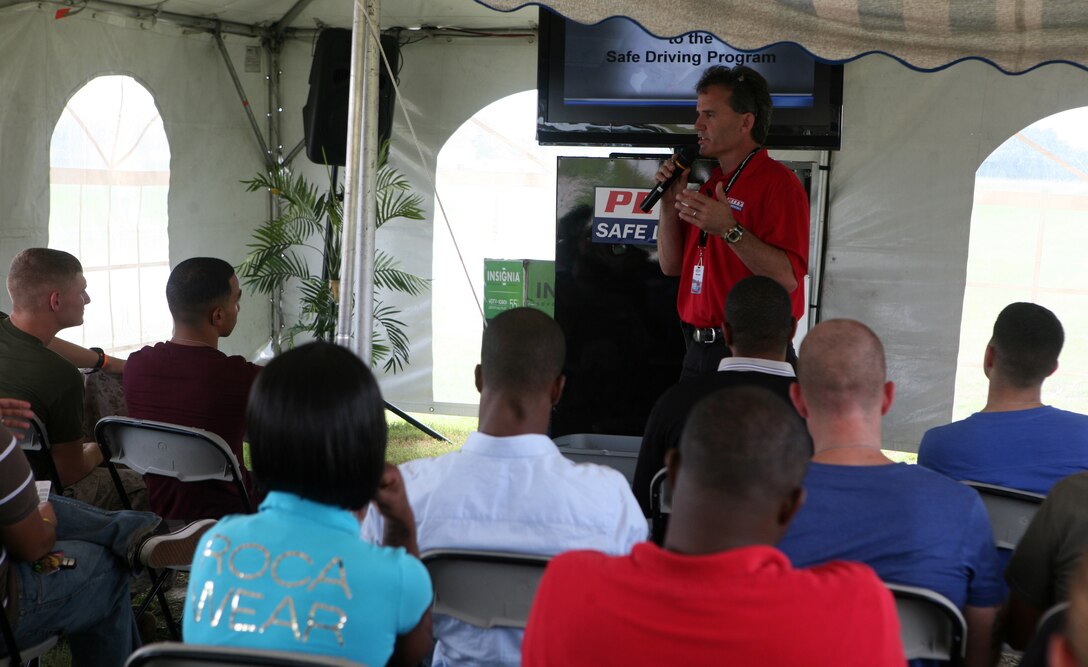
[[312, 14], [1016, 35]]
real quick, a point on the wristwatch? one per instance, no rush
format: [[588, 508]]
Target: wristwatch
[[733, 235]]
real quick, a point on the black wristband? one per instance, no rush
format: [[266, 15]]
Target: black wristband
[[101, 359]]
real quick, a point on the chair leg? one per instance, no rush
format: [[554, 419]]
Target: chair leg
[[158, 579], [171, 625]]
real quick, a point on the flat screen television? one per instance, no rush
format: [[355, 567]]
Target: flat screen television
[[614, 84]]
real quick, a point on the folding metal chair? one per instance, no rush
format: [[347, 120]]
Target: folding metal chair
[[660, 505], [615, 451], [173, 654], [35, 439], [183, 453], [1010, 510], [1052, 622], [1049, 614], [931, 627], [488, 589]]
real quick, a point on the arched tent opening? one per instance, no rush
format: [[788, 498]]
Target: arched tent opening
[[1029, 225], [109, 177]]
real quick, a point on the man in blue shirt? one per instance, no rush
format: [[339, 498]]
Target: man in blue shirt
[[1015, 441], [912, 525]]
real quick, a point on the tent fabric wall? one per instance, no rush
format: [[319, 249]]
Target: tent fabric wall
[[213, 148], [901, 199], [46, 61], [927, 34], [441, 90]]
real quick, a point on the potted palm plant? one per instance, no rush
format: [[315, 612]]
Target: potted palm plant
[[306, 232]]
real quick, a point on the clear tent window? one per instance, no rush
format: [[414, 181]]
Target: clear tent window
[[109, 179], [1029, 225]]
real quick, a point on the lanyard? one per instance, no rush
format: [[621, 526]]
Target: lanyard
[[728, 186]]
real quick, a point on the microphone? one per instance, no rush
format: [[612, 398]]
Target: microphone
[[683, 160]]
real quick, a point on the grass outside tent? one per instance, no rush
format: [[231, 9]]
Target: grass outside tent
[[406, 442]]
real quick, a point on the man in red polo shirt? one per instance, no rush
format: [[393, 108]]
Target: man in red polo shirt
[[750, 217], [718, 592]]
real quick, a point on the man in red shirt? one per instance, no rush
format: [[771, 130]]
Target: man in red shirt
[[718, 592], [188, 381], [751, 217], [1069, 648]]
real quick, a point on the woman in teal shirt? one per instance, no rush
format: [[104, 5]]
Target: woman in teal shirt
[[295, 576]]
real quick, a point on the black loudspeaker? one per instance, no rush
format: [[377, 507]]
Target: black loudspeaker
[[325, 116]]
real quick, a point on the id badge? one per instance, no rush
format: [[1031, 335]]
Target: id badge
[[697, 279]]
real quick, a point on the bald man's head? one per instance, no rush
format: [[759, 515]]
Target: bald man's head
[[840, 367]]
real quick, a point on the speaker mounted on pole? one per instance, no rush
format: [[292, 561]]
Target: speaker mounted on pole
[[325, 116]]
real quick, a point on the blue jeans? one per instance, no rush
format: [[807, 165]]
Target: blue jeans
[[89, 604]]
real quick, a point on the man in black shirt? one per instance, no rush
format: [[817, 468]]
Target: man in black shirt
[[758, 327]]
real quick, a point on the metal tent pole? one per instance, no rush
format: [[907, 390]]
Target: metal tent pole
[[819, 266], [265, 153], [355, 324]]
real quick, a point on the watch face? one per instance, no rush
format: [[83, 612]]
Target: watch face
[[734, 234]]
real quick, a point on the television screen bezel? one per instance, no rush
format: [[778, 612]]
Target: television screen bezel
[[816, 127]]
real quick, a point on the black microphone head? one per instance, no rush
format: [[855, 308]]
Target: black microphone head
[[686, 155]]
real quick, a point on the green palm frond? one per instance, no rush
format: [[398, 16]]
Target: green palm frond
[[268, 270], [319, 308], [390, 343], [394, 204], [389, 275], [297, 193]]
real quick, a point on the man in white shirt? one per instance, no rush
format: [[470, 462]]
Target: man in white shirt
[[509, 488]]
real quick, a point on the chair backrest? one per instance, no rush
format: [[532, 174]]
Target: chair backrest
[[35, 439], [1010, 510], [932, 628], [184, 453], [660, 505], [1059, 608], [484, 588], [30, 654], [615, 451], [174, 654]]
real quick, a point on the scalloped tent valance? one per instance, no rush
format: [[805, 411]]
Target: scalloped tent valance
[[1013, 35]]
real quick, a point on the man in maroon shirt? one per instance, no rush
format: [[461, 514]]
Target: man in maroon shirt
[[188, 381]]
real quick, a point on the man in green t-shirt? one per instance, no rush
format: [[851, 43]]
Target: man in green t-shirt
[[1041, 571], [49, 292]]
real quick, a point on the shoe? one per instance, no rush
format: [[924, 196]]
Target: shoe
[[174, 549], [148, 627]]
